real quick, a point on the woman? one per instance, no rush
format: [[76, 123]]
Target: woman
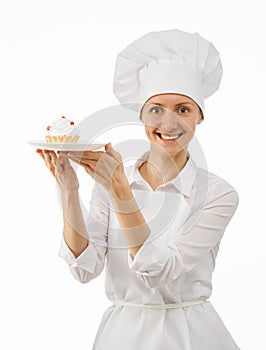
[[160, 221]]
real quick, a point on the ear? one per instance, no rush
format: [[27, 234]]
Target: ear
[[201, 118]]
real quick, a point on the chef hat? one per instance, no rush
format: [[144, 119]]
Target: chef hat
[[170, 61]]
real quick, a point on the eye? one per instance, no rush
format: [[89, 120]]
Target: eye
[[183, 110], [155, 110]]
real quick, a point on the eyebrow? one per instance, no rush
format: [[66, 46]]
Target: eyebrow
[[178, 104]]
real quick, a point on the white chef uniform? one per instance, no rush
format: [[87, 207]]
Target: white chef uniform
[[174, 265]]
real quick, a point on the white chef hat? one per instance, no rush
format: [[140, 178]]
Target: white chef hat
[[170, 61]]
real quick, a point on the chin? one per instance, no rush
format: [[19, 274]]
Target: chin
[[172, 150]]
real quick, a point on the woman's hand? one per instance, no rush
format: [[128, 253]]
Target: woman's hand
[[104, 167], [61, 169]]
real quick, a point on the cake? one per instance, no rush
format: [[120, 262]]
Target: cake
[[62, 130]]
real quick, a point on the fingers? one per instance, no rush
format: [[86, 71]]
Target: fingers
[[89, 170], [57, 164], [84, 155], [88, 165], [53, 158], [92, 159], [92, 163], [111, 151], [107, 146], [48, 161], [40, 152]]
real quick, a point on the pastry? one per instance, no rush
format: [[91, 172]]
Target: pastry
[[62, 130]]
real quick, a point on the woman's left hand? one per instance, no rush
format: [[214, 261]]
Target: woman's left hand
[[104, 167]]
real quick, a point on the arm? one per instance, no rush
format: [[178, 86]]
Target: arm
[[83, 246], [131, 220], [74, 227], [75, 234], [159, 262], [107, 169]]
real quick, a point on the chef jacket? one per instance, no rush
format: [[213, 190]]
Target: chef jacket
[[187, 217]]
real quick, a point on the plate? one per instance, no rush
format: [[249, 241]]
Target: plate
[[65, 146]]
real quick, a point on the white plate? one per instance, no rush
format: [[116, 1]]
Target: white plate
[[64, 146]]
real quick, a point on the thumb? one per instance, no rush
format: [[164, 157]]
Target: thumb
[[107, 146], [112, 152]]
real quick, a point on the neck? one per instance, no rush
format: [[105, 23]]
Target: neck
[[162, 164]]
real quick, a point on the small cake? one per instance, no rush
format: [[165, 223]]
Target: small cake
[[62, 130]]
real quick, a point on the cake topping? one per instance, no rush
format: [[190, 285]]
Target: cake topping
[[62, 126]]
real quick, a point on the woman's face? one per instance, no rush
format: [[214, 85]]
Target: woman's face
[[170, 121]]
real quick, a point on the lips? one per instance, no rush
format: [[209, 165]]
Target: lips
[[169, 137]]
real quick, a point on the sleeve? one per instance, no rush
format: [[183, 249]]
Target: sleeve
[[90, 263], [160, 261]]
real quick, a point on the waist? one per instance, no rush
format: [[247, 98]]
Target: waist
[[161, 306]]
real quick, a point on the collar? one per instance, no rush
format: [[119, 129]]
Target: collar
[[183, 182]]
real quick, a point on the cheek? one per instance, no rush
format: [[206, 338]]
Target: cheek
[[190, 126], [148, 131]]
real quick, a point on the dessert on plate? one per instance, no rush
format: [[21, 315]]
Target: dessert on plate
[[62, 130]]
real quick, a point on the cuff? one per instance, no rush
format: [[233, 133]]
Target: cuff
[[150, 258], [86, 260]]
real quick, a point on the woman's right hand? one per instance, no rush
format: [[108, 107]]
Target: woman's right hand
[[61, 169]]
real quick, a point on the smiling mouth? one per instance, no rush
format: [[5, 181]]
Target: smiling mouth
[[167, 137]]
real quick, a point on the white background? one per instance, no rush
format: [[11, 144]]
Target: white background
[[57, 58]]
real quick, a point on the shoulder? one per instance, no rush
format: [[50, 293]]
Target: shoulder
[[215, 187], [214, 181]]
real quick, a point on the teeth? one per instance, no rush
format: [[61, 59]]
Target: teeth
[[167, 137]]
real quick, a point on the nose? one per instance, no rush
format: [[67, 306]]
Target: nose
[[170, 121]]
